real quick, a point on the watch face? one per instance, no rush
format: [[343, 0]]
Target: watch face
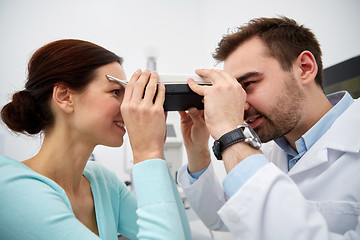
[[253, 143], [250, 136]]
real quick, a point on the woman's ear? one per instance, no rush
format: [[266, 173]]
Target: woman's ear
[[307, 65], [63, 98]]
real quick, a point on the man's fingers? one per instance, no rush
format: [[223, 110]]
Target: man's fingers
[[195, 87], [196, 116]]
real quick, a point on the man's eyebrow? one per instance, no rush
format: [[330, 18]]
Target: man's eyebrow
[[248, 75]]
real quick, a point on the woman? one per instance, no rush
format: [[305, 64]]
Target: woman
[[58, 194]]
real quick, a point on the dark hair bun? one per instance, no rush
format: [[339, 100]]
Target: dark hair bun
[[21, 114], [70, 62]]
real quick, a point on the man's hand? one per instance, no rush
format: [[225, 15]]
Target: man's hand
[[224, 105], [196, 139], [224, 101]]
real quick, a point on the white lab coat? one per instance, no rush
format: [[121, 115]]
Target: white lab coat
[[319, 198]]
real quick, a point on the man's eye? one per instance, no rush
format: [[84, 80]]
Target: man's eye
[[247, 84]]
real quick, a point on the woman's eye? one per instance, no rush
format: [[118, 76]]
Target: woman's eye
[[116, 92]]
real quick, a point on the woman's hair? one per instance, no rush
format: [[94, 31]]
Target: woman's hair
[[70, 62], [284, 38]]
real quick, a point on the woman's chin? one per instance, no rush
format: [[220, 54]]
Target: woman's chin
[[117, 143]]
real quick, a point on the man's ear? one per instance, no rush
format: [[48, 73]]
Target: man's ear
[[63, 98], [306, 63]]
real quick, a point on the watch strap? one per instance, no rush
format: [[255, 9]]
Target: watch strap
[[231, 138], [226, 141]]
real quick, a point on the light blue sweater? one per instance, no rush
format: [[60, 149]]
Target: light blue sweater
[[35, 207]]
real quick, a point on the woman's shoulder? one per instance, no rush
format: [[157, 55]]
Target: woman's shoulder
[[10, 168], [6, 162], [17, 182]]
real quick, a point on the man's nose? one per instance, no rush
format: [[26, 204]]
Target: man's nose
[[246, 106]]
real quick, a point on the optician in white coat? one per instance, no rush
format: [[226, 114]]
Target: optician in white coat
[[305, 184], [319, 198]]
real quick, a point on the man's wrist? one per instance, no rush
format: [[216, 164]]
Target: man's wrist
[[243, 132], [237, 152], [242, 172], [220, 132], [197, 164], [198, 158]]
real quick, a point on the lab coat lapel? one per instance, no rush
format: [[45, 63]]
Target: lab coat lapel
[[276, 155], [342, 137]]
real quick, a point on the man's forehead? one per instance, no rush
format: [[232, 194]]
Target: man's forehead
[[244, 60], [252, 47]]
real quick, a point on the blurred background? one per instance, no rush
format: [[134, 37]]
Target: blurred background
[[179, 35]]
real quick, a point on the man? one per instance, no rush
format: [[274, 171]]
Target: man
[[304, 183]]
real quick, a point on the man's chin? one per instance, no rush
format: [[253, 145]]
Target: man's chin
[[265, 137]]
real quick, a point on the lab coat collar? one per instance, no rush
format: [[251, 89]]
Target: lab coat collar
[[343, 136]]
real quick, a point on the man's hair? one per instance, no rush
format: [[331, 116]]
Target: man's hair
[[284, 38]]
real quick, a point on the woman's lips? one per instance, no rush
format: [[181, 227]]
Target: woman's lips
[[120, 124]]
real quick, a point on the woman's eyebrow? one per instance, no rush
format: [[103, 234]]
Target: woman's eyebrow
[[113, 79]]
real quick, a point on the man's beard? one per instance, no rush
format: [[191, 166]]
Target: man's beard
[[284, 115]]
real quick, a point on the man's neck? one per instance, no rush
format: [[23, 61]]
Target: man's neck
[[315, 110]]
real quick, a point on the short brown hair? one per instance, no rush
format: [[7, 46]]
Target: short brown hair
[[284, 38]]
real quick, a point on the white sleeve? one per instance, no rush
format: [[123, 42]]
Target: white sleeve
[[206, 196], [270, 206]]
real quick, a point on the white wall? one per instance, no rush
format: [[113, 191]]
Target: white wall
[[183, 33]]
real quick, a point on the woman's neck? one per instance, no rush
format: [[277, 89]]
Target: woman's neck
[[62, 159]]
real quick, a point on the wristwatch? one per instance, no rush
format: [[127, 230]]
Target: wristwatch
[[243, 132]]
